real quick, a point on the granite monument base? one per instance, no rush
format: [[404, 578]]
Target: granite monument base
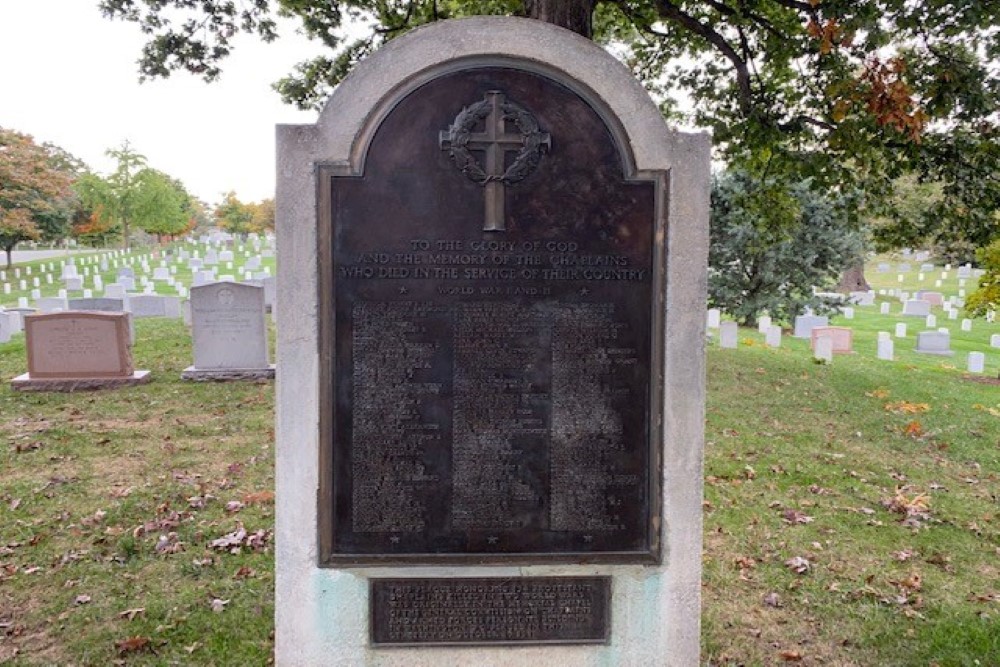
[[24, 382], [227, 374]]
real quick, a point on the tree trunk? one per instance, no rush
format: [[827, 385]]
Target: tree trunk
[[575, 15], [853, 279], [10, 255]]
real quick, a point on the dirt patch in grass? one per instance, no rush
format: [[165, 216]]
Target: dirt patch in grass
[[19, 636], [983, 379]]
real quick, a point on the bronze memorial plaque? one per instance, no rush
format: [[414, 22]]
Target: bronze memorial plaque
[[490, 324], [490, 610]]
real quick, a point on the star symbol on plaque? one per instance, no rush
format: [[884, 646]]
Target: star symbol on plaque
[[588, 538], [584, 291], [394, 539], [403, 290], [492, 539]]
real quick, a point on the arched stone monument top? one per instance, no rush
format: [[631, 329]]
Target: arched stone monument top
[[360, 102]]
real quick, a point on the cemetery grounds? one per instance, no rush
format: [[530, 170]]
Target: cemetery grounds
[[852, 510]]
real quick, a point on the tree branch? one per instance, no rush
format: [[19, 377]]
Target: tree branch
[[671, 12]]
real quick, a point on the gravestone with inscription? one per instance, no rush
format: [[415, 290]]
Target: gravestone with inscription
[[491, 374], [74, 350], [229, 333]]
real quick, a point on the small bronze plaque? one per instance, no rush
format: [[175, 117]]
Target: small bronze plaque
[[490, 610]]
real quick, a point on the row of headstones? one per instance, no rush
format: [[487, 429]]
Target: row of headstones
[[826, 340], [126, 283], [964, 272], [78, 349], [74, 280]]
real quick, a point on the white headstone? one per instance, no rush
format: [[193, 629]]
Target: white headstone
[[823, 349], [714, 318], [51, 304], [884, 308], [229, 328], [885, 349], [931, 321], [863, 298], [728, 334], [916, 308], [848, 312], [763, 323], [773, 336], [966, 325], [154, 305], [995, 340], [976, 362], [804, 325], [934, 342], [900, 330]]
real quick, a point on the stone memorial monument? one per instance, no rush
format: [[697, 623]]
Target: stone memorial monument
[[490, 394], [229, 332], [73, 350]]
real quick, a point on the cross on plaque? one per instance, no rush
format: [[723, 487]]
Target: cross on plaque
[[495, 142]]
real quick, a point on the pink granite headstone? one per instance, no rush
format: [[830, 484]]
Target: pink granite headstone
[[842, 338], [77, 350]]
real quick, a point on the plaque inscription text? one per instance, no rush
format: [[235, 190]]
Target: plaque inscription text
[[490, 610], [490, 390]]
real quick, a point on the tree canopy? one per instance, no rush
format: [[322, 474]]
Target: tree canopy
[[842, 91], [133, 194], [36, 198]]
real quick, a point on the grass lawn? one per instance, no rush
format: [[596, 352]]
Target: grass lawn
[[852, 511]]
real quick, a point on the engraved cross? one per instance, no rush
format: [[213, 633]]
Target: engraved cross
[[495, 142]]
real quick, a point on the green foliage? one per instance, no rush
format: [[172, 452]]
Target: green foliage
[[36, 200], [987, 296], [772, 242], [161, 205], [233, 215], [133, 194], [844, 93]]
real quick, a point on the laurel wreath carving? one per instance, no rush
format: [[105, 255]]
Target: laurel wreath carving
[[536, 142]]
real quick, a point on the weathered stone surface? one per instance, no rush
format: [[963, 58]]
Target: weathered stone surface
[[228, 375], [322, 614]]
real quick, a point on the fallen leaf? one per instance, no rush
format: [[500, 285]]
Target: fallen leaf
[[878, 393], [258, 497], [913, 429], [132, 645], [905, 407], [130, 614], [218, 606], [793, 517], [798, 564], [234, 506], [790, 656], [772, 599], [82, 599], [245, 572]]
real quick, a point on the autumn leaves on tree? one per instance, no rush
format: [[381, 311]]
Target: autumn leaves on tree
[[36, 198]]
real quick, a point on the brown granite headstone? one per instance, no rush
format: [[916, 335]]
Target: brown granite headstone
[[74, 350]]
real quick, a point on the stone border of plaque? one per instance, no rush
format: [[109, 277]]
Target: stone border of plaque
[[325, 608]]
